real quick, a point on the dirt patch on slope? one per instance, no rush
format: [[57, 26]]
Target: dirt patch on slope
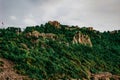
[[8, 73]]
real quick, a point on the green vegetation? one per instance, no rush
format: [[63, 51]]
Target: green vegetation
[[1, 63], [41, 58]]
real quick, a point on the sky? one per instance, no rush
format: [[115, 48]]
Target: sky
[[102, 15]]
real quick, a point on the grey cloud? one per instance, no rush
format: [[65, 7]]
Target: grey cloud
[[101, 14]]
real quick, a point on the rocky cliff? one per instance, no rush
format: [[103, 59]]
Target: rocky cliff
[[82, 39], [55, 23]]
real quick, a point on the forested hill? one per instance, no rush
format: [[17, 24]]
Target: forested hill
[[54, 51]]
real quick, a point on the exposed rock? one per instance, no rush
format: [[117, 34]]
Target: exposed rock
[[28, 35], [36, 34], [104, 76], [116, 77], [48, 36], [115, 31], [55, 23], [90, 28], [35, 41], [51, 36], [42, 35], [9, 73], [72, 28], [82, 39]]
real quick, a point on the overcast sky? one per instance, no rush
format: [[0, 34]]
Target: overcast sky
[[100, 14]]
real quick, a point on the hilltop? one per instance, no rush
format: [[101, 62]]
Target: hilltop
[[55, 51]]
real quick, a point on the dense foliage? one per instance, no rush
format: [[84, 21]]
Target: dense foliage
[[54, 59]]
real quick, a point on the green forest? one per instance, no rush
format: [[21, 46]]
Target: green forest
[[46, 51]]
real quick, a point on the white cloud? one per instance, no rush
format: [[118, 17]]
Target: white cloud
[[13, 17], [101, 14]]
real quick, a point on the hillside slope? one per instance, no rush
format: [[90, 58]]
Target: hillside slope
[[8, 73], [54, 51]]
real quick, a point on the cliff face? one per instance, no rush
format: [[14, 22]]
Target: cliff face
[[55, 23], [82, 39]]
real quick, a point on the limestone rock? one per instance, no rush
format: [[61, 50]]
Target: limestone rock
[[72, 27], [28, 35], [36, 34], [90, 28], [55, 23], [48, 36], [105, 76], [51, 36], [80, 38]]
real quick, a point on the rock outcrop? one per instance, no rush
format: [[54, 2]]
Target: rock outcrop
[[104, 76], [8, 72], [90, 28], [82, 39], [56, 24], [37, 35], [72, 27], [115, 31]]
